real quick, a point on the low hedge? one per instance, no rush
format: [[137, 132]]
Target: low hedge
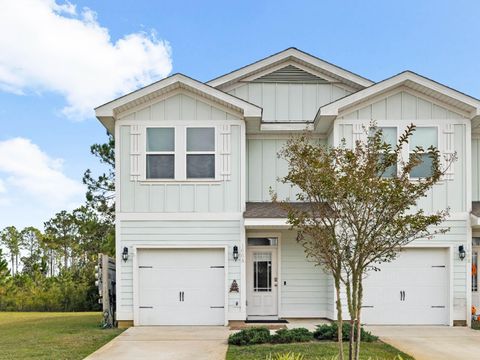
[[261, 335], [286, 336], [250, 336], [330, 332]]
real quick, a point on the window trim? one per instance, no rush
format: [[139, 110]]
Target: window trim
[[214, 152], [180, 134], [397, 168], [437, 127], [161, 152]]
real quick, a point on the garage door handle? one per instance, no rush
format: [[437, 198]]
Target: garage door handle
[[181, 296]]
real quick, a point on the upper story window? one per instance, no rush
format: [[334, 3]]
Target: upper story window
[[424, 137], [160, 153], [180, 153], [200, 153], [389, 136]]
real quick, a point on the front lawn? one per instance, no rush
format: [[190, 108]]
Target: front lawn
[[51, 335], [314, 351]]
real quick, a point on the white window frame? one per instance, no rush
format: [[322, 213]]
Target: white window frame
[[214, 152], [437, 127], [180, 153], [393, 147], [174, 153]]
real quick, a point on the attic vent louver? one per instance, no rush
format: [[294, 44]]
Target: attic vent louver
[[291, 74]]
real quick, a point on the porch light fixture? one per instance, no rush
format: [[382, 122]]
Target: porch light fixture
[[461, 252], [235, 253], [125, 254]]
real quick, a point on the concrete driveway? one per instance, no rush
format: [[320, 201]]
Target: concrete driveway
[[167, 342], [432, 342]]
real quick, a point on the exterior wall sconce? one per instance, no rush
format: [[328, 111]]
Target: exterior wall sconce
[[235, 253], [461, 252], [125, 254]]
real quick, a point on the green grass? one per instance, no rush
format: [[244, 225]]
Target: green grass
[[314, 350], [51, 335]]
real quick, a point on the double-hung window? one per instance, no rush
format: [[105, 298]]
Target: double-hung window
[[200, 153], [160, 153], [389, 136], [423, 137]]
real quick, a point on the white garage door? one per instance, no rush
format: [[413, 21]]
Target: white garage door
[[411, 290], [181, 287]]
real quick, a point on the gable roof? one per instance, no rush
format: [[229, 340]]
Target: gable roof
[[321, 66], [465, 103], [107, 112]]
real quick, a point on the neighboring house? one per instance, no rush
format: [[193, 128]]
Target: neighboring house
[[195, 165]]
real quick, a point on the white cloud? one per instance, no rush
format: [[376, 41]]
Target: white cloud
[[50, 46], [31, 171]]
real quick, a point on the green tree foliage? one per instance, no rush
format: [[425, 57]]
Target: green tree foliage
[[54, 270], [11, 239], [101, 190], [359, 213]]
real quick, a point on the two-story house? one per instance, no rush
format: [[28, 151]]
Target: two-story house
[[198, 239]]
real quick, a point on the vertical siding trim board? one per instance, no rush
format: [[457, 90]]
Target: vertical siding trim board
[[449, 148], [146, 247], [225, 151], [135, 152]]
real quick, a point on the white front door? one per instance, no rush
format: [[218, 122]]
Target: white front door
[[262, 281], [181, 287], [411, 290]]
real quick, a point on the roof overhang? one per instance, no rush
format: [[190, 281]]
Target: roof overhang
[[464, 103], [292, 54], [108, 113]]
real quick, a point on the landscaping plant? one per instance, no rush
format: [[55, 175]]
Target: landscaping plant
[[361, 208]]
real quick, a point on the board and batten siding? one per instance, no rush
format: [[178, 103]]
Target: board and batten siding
[[187, 196], [289, 102], [264, 168], [399, 110], [476, 168], [177, 233], [307, 290]]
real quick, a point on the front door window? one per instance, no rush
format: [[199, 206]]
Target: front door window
[[262, 272]]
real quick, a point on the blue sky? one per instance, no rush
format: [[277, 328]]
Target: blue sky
[[82, 53]]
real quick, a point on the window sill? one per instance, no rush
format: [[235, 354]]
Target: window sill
[[185, 181]]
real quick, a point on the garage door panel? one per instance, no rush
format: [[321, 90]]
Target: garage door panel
[[413, 289], [197, 274]]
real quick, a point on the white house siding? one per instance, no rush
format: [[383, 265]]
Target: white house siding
[[264, 168], [144, 196], [289, 102], [307, 292], [476, 168], [175, 233], [403, 108]]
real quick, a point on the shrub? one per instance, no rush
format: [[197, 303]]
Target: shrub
[[286, 356], [250, 336], [329, 332], [285, 336]]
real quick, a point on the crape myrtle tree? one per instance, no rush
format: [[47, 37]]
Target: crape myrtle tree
[[361, 209]]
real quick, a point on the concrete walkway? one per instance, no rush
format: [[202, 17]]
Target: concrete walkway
[[432, 342], [167, 342]]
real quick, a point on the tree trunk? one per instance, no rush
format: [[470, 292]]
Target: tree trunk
[[359, 326], [339, 320], [65, 257], [12, 258], [350, 289]]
